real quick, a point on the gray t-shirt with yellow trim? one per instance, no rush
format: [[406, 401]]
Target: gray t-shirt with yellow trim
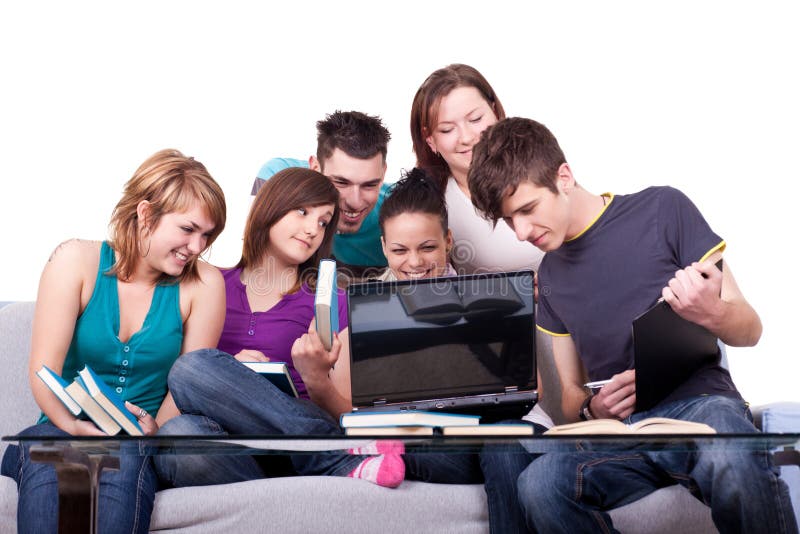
[[593, 286]]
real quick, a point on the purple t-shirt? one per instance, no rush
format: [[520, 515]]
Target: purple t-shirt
[[274, 331]]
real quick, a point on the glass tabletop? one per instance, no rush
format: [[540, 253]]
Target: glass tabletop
[[313, 444]]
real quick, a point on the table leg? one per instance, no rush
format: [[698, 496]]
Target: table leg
[[78, 475]]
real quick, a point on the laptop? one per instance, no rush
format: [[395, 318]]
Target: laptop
[[463, 344]]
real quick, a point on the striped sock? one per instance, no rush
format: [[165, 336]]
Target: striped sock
[[381, 446], [387, 470]]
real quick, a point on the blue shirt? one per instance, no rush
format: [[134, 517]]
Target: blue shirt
[[594, 285], [362, 248]]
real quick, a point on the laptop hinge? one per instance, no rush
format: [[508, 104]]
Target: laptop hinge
[[511, 389], [379, 402]]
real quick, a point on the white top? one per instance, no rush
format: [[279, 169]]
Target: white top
[[477, 247], [538, 415]]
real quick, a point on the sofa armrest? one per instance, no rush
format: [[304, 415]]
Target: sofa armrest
[[777, 417], [783, 417]]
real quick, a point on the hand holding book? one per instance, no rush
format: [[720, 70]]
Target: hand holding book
[[694, 293], [311, 359], [146, 420], [251, 355], [96, 400]]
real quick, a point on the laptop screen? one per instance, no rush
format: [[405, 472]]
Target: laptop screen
[[441, 338]]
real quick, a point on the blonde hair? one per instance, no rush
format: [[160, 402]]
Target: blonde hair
[[170, 182]]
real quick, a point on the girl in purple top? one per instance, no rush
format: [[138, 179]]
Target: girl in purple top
[[270, 317]]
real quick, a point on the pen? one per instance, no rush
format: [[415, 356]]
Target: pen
[[596, 384]]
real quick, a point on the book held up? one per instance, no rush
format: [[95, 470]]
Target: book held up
[[326, 303]]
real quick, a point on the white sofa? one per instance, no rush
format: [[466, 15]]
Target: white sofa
[[308, 504]]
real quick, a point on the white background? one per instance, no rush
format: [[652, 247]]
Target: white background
[[699, 95]]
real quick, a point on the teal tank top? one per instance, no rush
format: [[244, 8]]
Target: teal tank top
[[137, 370]]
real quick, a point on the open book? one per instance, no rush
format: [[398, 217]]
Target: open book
[[470, 299], [326, 303], [277, 373], [651, 425]]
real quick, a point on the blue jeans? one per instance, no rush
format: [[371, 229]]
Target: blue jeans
[[571, 492], [497, 467], [125, 499], [502, 466], [218, 396]]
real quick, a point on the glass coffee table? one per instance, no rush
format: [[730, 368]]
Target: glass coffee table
[[79, 461]]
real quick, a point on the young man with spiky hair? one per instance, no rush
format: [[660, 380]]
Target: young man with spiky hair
[[351, 151], [609, 258]]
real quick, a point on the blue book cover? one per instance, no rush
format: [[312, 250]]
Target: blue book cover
[[376, 418], [110, 401], [58, 386], [326, 303]]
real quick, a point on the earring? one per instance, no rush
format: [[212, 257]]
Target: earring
[[146, 252], [145, 231]]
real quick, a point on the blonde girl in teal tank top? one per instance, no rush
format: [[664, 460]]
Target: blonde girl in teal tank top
[[128, 307]]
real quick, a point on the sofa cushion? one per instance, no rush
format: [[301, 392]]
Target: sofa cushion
[[322, 504]]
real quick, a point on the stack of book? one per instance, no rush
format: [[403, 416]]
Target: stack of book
[[89, 395], [424, 423]]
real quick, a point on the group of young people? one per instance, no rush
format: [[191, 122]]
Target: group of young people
[[487, 194]]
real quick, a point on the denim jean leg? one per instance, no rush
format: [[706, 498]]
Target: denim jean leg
[[442, 467], [126, 496], [37, 505], [180, 470], [501, 466], [570, 492], [741, 486], [212, 383]]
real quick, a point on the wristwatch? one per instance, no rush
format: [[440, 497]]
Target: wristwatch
[[586, 413]]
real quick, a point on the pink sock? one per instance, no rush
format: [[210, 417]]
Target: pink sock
[[387, 470], [381, 446]]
